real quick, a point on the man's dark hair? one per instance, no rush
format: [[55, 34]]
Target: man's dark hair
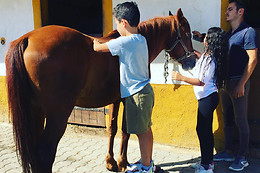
[[239, 4], [128, 11]]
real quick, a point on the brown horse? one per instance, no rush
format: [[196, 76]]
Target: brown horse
[[54, 68]]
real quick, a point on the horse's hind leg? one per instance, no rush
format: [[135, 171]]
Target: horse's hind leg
[[112, 130], [56, 123], [38, 121], [122, 159]]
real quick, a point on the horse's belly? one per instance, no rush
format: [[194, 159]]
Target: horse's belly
[[95, 102], [98, 97]]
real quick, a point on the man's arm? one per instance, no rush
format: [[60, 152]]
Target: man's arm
[[239, 90], [198, 36], [100, 47]]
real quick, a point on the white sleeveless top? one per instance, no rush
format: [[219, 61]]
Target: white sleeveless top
[[204, 70]]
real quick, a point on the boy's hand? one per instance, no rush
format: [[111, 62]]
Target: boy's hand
[[96, 42], [100, 47]]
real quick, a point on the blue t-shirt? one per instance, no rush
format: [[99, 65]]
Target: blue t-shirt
[[242, 39], [133, 60]]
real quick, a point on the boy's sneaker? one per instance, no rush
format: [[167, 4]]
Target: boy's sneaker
[[137, 167], [150, 170], [133, 166], [198, 164], [239, 164], [224, 156], [202, 170]]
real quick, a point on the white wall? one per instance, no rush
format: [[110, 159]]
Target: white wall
[[16, 17], [201, 14]]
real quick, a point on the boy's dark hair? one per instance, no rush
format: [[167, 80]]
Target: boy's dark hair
[[128, 11]]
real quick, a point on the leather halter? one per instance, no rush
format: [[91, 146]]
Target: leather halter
[[179, 40]]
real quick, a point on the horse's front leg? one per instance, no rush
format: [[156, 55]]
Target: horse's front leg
[[122, 159], [112, 130]]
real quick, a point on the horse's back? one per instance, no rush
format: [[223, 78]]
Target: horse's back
[[55, 60], [47, 40], [62, 64]]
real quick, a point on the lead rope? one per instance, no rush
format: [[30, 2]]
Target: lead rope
[[167, 58]]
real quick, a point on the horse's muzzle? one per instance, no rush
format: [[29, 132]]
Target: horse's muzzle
[[189, 63]]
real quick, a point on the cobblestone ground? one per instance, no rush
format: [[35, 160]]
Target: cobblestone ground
[[85, 153]]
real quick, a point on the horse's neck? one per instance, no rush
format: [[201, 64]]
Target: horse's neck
[[156, 35]]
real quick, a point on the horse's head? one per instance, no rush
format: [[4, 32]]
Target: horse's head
[[179, 44]]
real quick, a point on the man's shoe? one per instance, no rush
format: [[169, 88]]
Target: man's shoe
[[203, 170], [239, 164], [224, 156]]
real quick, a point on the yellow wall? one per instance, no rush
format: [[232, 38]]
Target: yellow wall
[[107, 17], [37, 13], [174, 117], [224, 24], [3, 100]]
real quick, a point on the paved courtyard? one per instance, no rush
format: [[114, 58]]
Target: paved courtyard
[[84, 152]]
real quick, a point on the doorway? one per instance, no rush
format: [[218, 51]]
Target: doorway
[[85, 16], [252, 17]]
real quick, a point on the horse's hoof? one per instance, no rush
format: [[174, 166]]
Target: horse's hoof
[[122, 164], [111, 164]]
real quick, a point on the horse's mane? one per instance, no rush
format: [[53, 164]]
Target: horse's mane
[[149, 28], [157, 29], [112, 35], [155, 25]]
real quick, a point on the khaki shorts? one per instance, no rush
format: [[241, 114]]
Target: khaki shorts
[[138, 110]]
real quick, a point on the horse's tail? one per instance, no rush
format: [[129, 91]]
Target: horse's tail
[[20, 95]]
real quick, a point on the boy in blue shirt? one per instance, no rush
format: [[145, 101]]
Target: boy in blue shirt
[[135, 88]]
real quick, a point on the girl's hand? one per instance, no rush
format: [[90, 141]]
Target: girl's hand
[[197, 53], [176, 76]]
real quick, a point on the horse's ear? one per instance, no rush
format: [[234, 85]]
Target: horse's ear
[[179, 14], [170, 13]]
